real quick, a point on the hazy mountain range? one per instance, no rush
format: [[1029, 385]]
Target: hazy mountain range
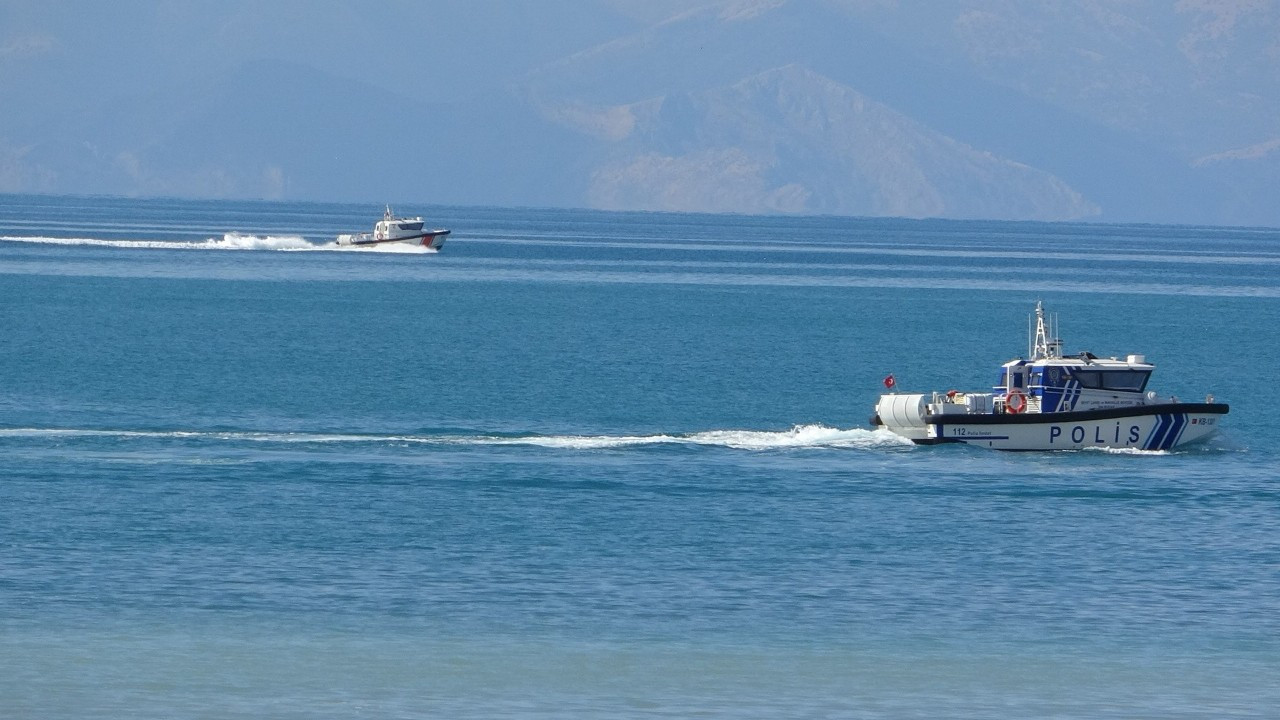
[[1130, 110]]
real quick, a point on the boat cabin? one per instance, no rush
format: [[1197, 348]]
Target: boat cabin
[[1080, 382], [394, 228], [1052, 382]]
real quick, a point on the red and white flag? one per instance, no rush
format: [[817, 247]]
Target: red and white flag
[[889, 382]]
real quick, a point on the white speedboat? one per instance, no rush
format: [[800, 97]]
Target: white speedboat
[[1054, 402], [391, 229]]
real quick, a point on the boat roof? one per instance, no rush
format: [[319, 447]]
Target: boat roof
[[1085, 359]]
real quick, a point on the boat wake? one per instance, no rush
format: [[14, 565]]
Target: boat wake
[[798, 437], [229, 241]]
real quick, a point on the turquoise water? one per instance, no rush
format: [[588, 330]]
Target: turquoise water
[[586, 464]]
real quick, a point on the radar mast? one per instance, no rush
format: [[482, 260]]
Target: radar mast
[[1045, 348]]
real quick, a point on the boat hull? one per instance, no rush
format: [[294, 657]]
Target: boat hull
[[432, 239], [1148, 427]]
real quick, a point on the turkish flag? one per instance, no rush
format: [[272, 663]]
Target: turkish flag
[[889, 382]]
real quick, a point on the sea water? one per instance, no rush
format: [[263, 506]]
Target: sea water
[[594, 465]]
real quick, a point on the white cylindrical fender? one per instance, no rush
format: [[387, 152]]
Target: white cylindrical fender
[[902, 410]]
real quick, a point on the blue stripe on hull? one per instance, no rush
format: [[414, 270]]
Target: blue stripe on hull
[[1166, 433], [1157, 433], [1175, 432]]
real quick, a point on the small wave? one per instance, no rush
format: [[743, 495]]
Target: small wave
[[1126, 451], [798, 437], [1216, 444]]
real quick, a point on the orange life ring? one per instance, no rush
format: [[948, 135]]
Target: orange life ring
[[1015, 401]]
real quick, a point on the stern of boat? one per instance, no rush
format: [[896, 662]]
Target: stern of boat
[[904, 415]]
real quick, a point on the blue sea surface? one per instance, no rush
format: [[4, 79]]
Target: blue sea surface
[[612, 465]]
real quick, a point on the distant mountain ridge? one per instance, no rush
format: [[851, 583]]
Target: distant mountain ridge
[[791, 140]]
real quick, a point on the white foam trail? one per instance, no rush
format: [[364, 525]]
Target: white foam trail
[[77, 432], [1127, 451], [236, 241], [51, 240], [581, 442], [800, 436], [229, 241]]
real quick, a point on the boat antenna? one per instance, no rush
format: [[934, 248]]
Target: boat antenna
[[1044, 347]]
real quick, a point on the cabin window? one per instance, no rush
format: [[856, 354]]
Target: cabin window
[[1010, 379], [1131, 380], [1126, 380], [1088, 378]]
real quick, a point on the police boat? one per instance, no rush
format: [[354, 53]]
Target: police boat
[[397, 230], [1054, 402]]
